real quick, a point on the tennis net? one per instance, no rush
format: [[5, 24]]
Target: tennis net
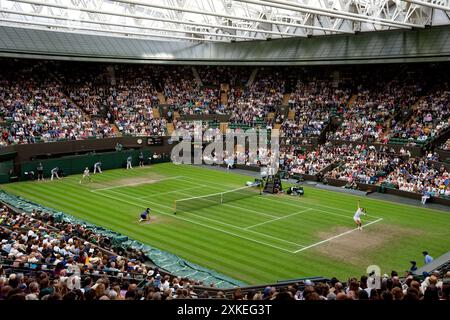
[[209, 200]]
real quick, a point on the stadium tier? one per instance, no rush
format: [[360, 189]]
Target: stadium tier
[[225, 150], [387, 135]]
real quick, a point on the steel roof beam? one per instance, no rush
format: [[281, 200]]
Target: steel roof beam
[[142, 35], [215, 14], [430, 4], [126, 26], [143, 17], [332, 13]]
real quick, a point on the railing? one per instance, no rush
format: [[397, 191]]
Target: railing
[[31, 268], [300, 282], [37, 140]]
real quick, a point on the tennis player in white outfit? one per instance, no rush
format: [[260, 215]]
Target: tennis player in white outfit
[[357, 216]]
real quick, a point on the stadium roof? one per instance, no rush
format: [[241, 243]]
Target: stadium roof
[[222, 20]]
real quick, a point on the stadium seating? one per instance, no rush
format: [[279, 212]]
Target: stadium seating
[[296, 162], [311, 106], [363, 164], [34, 109], [43, 259], [377, 118], [420, 175], [381, 108], [445, 146]]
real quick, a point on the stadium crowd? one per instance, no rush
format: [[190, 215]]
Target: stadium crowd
[[373, 112], [295, 161], [43, 259], [186, 95], [363, 164], [429, 118], [446, 145], [100, 100], [358, 163], [35, 109], [212, 127], [214, 76], [252, 105], [82, 102], [433, 288], [312, 102], [420, 175]]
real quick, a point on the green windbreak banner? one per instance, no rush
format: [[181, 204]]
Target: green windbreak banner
[[5, 167], [164, 260], [76, 164]]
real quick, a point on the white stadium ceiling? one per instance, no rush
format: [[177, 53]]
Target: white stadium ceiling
[[222, 20]]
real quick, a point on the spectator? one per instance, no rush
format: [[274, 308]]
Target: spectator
[[427, 257]]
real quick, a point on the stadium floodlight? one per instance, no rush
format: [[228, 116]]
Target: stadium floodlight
[[209, 200]]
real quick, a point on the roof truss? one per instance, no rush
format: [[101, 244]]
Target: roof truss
[[222, 20]]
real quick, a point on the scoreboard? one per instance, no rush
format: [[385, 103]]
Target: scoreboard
[[155, 141]]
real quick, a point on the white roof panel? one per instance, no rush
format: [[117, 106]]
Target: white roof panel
[[222, 20]]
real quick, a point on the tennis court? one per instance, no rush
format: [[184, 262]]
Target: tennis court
[[241, 218], [255, 239]]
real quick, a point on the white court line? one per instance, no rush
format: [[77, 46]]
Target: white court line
[[231, 233], [200, 224], [257, 212], [142, 200], [210, 183], [276, 219], [161, 193], [245, 229], [249, 210], [214, 220], [284, 198], [299, 205], [289, 202], [321, 210], [337, 236], [230, 205], [314, 204], [135, 184], [292, 200]]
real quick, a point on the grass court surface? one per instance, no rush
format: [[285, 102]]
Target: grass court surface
[[257, 239]]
